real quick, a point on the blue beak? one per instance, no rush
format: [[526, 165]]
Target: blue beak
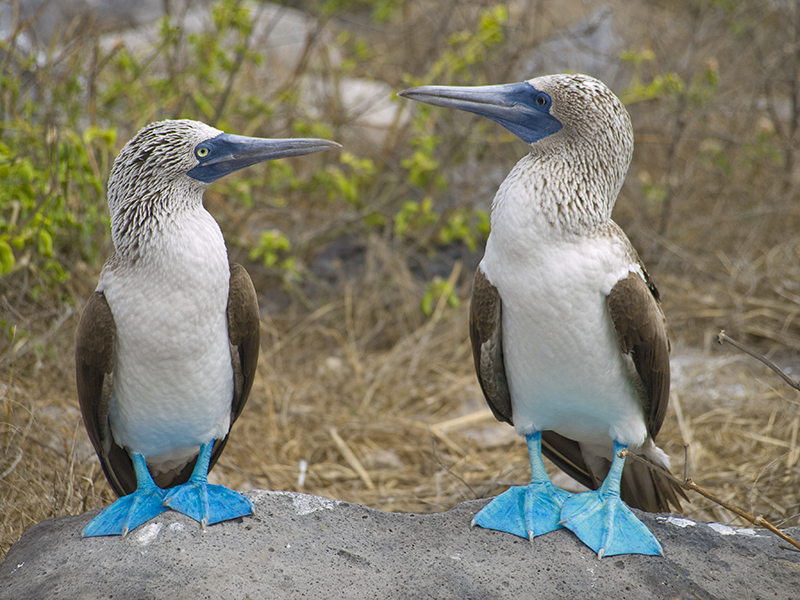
[[227, 153], [519, 107]]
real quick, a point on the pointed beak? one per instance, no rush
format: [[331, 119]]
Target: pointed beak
[[519, 107], [228, 153]]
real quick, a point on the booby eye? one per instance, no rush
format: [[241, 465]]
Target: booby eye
[[542, 99], [201, 152]]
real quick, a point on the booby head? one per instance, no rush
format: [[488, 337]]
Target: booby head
[[573, 119], [566, 106], [168, 165]]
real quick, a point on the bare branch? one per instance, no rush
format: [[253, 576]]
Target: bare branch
[[722, 337]]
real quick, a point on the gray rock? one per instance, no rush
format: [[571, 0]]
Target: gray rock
[[591, 46], [68, 19], [300, 546]]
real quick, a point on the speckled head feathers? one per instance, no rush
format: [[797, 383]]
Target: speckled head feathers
[[590, 155], [589, 112], [160, 151], [148, 179]]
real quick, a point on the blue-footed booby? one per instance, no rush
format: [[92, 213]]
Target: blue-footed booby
[[569, 340], [167, 345]]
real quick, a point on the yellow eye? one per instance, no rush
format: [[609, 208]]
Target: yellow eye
[[202, 152]]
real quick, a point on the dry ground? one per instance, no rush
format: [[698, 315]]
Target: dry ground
[[383, 407]]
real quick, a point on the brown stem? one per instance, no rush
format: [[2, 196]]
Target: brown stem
[[722, 337]]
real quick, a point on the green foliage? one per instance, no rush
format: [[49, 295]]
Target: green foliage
[[422, 165], [464, 50], [197, 75], [699, 91], [274, 251], [470, 47], [466, 225], [53, 177], [56, 149], [414, 216], [350, 179], [713, 154], [434, 292], [661, 85], [655, 192], [381, 11]]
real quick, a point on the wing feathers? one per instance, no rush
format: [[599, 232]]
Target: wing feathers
[[642, 334], [244, 334], [94, 366], [486, 334]]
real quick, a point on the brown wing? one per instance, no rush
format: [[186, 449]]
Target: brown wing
[[486, 334], [642, 332], [244, 333], [94, 365]]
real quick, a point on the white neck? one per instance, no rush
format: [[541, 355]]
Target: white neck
[[141, 215], [554, 195]]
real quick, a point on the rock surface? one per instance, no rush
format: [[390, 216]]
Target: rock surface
[[300, 546]]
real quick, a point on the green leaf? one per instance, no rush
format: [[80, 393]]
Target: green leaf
[[45, 245], [7, 260]]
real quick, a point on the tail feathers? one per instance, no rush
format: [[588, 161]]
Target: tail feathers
[[641, 487], [648, 490]]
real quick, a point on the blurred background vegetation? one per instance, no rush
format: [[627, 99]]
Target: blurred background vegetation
[[363, 258]]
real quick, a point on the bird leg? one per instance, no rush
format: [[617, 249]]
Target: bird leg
[[132, 510], [526, 511], [602, 522], [203, 501]]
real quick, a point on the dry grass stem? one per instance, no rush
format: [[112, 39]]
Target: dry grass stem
[[351, 458]]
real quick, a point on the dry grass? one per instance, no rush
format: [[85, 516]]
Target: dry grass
[[753, 298]]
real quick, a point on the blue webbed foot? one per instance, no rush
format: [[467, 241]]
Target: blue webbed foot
[[602, 521], [208, 503], [526, 511], [130, 511], [203, 501]]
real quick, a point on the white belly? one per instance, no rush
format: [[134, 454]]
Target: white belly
[[173, 379], [562, 358]]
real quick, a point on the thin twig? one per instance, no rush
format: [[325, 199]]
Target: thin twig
[[686, 461], [722, 337], [688, 484]]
